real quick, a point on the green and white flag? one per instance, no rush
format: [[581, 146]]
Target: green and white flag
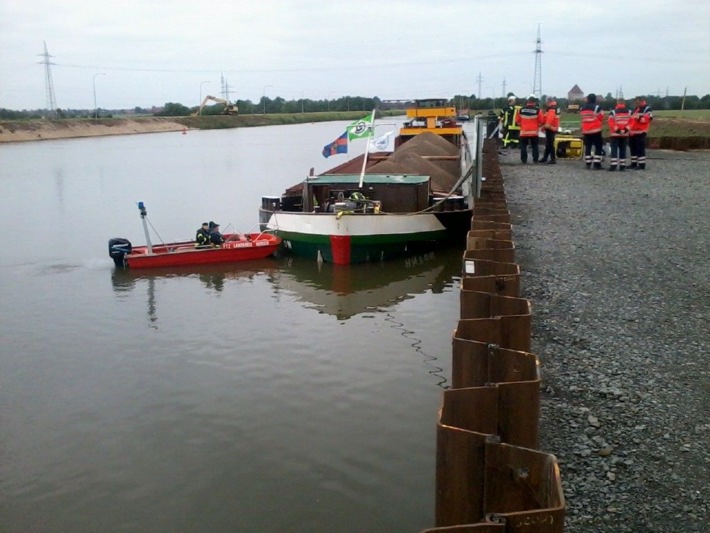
[[361, 129]]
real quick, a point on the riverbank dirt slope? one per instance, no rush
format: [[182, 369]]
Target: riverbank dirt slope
[[38, 130]]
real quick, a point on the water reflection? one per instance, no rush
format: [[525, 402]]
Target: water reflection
[[348, 290], [343, 291], [212, 276], [430, 361], [59, 187]]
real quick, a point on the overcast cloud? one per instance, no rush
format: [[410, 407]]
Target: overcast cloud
[[149, 52]]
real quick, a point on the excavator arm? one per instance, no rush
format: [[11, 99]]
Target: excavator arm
[[229, 109]]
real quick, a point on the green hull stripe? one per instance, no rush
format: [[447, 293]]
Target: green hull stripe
[[363, 248]]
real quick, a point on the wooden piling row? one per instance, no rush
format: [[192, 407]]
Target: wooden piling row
[[490, 477]]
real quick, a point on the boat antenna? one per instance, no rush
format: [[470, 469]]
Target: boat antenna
[[144, 213], [367, 149]]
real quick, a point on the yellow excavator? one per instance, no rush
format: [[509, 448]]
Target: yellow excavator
[[229, 109]]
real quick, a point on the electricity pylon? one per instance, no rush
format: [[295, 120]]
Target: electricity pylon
[[537, 82], [48, 82]]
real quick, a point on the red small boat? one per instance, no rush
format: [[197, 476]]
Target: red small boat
[[236, 247]]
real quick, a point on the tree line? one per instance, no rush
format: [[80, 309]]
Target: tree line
[[344, 103]]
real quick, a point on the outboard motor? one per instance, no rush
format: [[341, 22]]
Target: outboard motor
[[118, 248]]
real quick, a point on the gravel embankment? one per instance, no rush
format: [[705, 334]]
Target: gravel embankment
[[616, 266]]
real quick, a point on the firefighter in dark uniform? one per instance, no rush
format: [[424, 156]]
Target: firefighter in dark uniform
[[202, 237], [508, 123], [216, 238]]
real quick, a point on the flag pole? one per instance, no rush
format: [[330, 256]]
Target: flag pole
[[367, 149]]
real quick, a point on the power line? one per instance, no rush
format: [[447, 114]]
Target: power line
[[319, 68]]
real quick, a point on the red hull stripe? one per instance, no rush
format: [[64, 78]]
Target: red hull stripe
[[340, 247]]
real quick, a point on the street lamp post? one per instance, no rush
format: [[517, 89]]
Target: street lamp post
[[96, 109], [200, 104], [302, 101], [263, 97]]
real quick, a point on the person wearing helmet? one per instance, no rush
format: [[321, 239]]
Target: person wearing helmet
[[530, 119], [508, 123]]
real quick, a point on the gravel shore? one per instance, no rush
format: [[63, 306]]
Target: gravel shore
[[616, 266]]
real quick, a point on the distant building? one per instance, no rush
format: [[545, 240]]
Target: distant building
[[575, 94]]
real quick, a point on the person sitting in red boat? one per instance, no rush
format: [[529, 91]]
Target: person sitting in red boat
[[202, 238], [216, 238]]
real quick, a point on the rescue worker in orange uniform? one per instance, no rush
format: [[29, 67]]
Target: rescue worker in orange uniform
[[641, 118], [619, 119], [550, 126], [530, 119], [592, 118]]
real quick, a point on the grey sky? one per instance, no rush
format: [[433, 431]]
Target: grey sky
[[157, 51]]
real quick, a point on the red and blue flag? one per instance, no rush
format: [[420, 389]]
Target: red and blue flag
[[338, 146]]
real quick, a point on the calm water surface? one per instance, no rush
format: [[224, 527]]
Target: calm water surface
[[271, 396]]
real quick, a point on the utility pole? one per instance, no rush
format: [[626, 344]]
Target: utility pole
[[537, 82], [479, 80], [503, 93], [96, 108], [682, 103], [48, 82], [263, 98]]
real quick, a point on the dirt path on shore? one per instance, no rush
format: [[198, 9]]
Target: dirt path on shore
[[39, 130]]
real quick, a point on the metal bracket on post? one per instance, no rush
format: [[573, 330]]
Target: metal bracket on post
[[144, 214]]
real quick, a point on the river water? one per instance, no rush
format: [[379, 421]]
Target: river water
[[266, 397]]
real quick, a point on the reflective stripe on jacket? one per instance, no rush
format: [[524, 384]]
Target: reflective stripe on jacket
[[641, 118], [592, 118], [509, 117], [202, 237], [530, 119], [619, 120]]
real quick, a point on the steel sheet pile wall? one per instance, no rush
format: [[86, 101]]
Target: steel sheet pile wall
[[490, 477]]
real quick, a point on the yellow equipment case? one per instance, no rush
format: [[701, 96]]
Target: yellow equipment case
[[568, 147]]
